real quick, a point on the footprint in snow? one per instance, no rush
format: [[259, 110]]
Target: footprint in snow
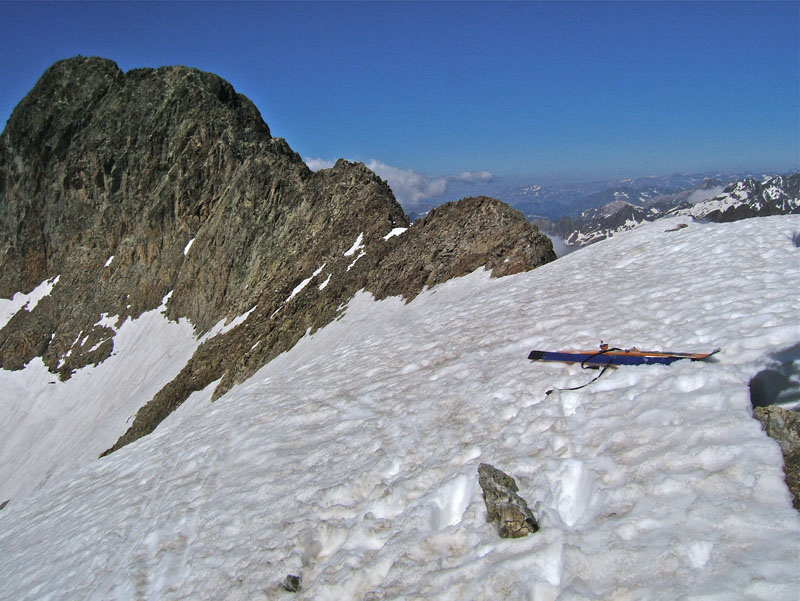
[[575, 491]]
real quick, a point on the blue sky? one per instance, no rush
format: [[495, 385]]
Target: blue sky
[[537, 91]]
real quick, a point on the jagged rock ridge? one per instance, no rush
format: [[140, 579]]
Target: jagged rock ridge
[[134, 186]]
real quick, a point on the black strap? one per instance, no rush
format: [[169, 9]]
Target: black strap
[[584, 366]]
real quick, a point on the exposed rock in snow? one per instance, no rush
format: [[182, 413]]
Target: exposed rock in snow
[[503, 504], [781, 424], [456, 238], [291, 583], [784, 426]]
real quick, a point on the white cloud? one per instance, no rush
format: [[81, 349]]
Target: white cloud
[[474, 176], [411, 187], [317, 164], [701, 195]]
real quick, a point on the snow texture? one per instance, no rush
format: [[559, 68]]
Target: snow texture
[[351, 460]]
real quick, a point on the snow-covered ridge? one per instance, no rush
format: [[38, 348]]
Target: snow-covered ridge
[[774, 194], [351, 459]]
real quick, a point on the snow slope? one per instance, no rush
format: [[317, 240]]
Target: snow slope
[[49, 427], [351, 460]]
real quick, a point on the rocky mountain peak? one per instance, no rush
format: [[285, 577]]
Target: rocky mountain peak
[[164, 187], [484, 231], [43, 122]]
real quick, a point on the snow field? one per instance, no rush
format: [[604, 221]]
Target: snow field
[[352, 459], [52, 427]]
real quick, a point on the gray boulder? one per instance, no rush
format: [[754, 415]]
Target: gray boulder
[[504, 505]]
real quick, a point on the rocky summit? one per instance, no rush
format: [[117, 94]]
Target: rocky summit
[[126, 190]]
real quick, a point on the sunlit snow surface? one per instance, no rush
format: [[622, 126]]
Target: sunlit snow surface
[[351, 460], [49, 426]]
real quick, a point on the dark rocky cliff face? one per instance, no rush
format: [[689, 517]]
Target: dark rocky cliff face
[[454, 239], [96, 163]]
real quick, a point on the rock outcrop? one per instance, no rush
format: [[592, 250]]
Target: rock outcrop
[[503, 503], [291, 583], [784, 426], [455, 239], [165, 183]]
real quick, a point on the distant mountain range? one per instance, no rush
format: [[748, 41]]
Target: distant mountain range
[[556, 201], [774, 195], [621, 208]]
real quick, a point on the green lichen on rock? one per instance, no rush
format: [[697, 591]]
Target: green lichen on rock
[[503, 503]]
